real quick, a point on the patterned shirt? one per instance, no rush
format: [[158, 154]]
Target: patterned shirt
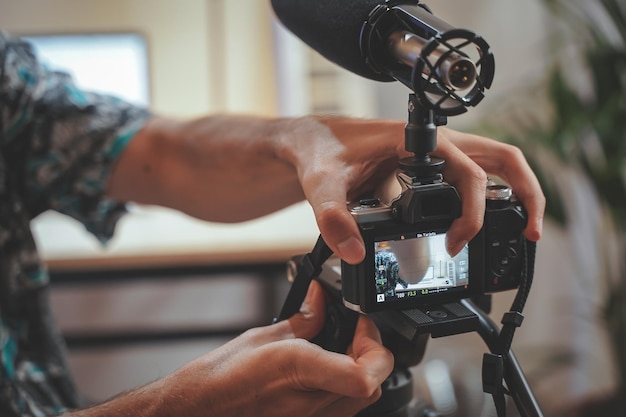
[[57, 147]]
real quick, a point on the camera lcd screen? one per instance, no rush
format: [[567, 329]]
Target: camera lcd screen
[[418, 265]]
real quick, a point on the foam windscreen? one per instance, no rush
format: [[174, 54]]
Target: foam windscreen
[[332, 28]]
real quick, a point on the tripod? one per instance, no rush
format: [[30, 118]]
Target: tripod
[[406, 333]]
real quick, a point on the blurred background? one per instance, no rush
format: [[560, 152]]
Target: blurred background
[[168, 288]]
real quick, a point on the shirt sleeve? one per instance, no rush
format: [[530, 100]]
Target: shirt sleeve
[[61, 142]]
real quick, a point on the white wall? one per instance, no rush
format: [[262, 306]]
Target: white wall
[[193, 45]]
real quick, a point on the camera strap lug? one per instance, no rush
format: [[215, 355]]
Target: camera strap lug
[[512, 318]]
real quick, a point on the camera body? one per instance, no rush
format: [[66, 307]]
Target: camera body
[[407, 266]]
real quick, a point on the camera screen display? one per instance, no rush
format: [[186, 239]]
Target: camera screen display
[[418, 265]]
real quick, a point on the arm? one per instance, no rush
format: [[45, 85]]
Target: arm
[[233, 168], [217, 168]]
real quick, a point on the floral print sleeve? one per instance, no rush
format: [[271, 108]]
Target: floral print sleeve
[[57, 147]]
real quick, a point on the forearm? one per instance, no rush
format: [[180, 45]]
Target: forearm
[[218, 168], [232, 168], [146, 401]]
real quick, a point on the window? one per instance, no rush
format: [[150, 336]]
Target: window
[[110, 63]]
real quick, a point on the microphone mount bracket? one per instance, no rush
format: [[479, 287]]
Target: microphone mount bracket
[[406, 42]]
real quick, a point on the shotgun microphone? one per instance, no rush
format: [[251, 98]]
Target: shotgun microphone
[[447, 68]]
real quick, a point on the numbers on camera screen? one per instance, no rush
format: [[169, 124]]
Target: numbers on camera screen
[[417, 265]]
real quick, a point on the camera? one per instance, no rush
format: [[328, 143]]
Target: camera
[[407, 265]]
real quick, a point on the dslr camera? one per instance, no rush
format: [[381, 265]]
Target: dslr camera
[[407, 265]]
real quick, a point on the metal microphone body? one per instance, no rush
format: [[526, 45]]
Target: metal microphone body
[[447, 68], [456, 71], [386, 40]]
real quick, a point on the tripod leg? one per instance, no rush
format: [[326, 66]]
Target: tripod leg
[[516, 382]]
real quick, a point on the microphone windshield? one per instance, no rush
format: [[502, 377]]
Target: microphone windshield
[[332, 28]]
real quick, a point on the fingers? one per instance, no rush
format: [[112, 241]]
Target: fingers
[[507, 162], [357, 375], [340, 230], [309, 321], [368, 359], [470, 158], [527, 189], [343, 406], [332, 384], [349, 161], [327, 193], [469, 180], [368, 350], [313, 381]]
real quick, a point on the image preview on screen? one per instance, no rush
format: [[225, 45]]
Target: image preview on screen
[[418, 265]]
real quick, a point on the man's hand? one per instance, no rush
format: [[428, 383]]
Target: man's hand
[[234, 168], [368, 151], [269, 371]]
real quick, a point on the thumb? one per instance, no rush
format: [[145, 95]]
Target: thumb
[[340, 231], [309, 321]]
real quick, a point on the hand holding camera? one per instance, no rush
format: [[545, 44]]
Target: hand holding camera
[[407, 264]]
